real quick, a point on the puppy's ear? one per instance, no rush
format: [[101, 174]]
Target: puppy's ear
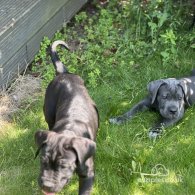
[[41, 137], [153, 88], [185, 90], [84, 148]]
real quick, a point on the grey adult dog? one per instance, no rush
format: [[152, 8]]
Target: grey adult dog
[[168, 96], [70, 145]]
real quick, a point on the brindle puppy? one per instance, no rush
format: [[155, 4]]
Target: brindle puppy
[[70, 145]]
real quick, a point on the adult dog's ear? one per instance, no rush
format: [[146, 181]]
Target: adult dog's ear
[[153, 88], [186, 91], [84, 148], [41, 137]]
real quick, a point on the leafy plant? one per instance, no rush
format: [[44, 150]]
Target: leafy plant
[[168, 40]]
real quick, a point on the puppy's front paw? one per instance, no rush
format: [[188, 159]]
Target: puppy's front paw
[[116, 120], [153, 135]]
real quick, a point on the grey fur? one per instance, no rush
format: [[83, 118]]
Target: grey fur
[[70, 145], [169, 97]]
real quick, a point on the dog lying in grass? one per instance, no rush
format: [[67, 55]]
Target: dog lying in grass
[[170, 97], [69, 145]]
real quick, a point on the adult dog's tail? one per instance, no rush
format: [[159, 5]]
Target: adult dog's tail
[[59, 66]]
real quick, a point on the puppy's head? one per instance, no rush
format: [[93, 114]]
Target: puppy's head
[[60, 154], [170, 96]]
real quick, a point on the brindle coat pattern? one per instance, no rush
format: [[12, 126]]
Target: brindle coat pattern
[[69, 145]]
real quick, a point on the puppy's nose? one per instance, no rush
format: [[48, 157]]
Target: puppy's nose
[[48, 184], [45, 183], [173, 110]]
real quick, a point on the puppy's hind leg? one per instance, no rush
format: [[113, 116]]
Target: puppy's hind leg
[[140, 107]]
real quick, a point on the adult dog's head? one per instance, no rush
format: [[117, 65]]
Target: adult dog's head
[[169, 95], [60, 155]]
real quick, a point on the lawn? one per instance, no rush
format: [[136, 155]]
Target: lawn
[[117, 48]]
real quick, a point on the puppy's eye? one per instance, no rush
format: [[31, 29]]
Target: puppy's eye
[[63, 166], [62, 163], [164, 97]]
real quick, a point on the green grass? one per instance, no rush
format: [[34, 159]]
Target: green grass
[[117, 60]]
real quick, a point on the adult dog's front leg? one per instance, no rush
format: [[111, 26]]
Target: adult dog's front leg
[[141, 106]]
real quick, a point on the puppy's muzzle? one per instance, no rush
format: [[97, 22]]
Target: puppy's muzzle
[[50, 186], [46, 185], [173, 111]]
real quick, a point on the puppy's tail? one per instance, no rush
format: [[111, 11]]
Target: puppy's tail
[[59, 66]]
